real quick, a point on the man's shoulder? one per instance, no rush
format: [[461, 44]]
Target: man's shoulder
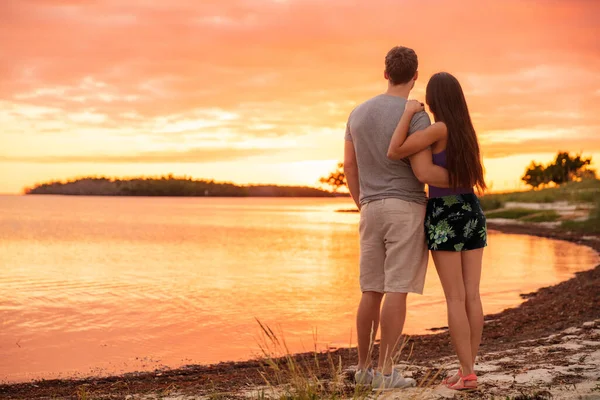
[[362, 106], [419, 122], [421, 116], [370, 104], [379, 99]]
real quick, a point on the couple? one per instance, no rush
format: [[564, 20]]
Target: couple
[[391, 151]]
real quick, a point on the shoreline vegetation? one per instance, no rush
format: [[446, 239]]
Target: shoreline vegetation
[[170, 186], [547, 347], [573, 206]]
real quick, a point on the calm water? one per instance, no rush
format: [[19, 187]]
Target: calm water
[[105, 285]]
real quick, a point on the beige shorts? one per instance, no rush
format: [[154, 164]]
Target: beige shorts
[[393, 252]]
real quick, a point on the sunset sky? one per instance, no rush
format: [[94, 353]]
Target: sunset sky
[[258, 91]]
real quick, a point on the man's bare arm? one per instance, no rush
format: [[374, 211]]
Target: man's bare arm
[[351, 171], [427, 172]]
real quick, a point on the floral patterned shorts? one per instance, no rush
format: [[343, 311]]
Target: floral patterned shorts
[[455, 223]]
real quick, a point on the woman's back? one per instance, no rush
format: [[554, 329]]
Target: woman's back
[[440, 159]]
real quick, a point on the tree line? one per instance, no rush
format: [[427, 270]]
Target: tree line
[[169, 186]]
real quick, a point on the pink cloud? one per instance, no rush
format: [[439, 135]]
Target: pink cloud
[[290, 68]]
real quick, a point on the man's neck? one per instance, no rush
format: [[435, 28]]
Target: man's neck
[[399, 90]]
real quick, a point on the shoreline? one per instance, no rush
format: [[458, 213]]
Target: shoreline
[[544, 313]]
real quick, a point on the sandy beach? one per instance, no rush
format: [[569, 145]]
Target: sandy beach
[[547, 346]]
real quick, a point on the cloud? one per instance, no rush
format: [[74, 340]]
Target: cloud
[[155, 81], [198, 155], [551, 146], [158, 60]]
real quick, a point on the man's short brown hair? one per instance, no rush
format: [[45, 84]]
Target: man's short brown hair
[[401, 65]]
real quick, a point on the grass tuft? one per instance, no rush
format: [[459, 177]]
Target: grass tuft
[[82, 393], [289, 377]]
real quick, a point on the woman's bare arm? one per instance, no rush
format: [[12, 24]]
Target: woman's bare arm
[[416, 142]]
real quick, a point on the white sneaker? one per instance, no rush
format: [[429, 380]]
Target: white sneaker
[[392, 381], [363, 377]]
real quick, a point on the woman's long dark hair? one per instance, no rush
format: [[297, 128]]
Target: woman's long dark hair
[[447, 102]]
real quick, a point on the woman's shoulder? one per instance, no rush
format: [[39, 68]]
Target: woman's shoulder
[[439, 130], [440, 125]]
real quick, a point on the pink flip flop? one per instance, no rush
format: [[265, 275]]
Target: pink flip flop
[[448, 384], [461, 384]]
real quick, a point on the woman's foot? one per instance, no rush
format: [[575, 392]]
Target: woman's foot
[[451, 380], [468, 382]]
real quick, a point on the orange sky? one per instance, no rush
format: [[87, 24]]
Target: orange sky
[[259, 90]]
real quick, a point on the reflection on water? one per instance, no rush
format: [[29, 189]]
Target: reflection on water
[[110, 285]]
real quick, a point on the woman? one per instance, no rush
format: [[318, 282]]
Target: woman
[[454, 223]]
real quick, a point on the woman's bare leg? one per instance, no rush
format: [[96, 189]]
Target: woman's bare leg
[[471, 269], [449, 267]]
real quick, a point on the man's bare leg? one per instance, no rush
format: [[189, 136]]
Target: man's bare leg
[[367, 322], [393, 315]]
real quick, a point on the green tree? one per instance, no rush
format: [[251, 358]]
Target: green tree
[[335, 179], [535, 175], [564, 168]]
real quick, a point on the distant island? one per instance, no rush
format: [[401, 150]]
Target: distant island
[[169, 186]]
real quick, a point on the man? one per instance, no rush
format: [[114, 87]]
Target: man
[[391, 198]]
